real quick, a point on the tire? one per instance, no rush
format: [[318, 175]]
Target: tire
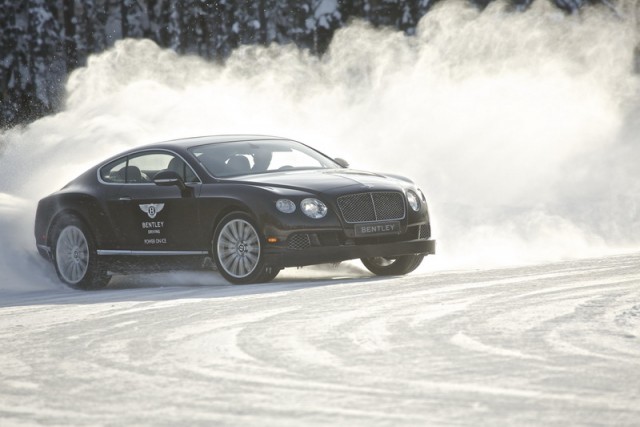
[[74, 255], [237, 251], [401, 265]]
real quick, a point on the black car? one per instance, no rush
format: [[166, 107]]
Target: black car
[[252, 204]]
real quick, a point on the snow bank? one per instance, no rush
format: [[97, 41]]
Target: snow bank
[[516, 125]]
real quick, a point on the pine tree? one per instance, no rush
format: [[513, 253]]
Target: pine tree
[[44, 43], [69, 34], [132, 18], [93, 17], [221, 16], [171, 16], [14, 62]]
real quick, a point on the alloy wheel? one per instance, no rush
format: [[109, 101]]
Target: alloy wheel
[[238, 248], [72, 254]]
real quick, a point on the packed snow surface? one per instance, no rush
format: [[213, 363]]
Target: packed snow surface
[[551, 344]]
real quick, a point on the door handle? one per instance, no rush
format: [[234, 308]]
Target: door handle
[[124, 199]]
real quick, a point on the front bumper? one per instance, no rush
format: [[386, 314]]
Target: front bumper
[[283, 257]]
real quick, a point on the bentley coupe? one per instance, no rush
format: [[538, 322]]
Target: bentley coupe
[[247, 206]]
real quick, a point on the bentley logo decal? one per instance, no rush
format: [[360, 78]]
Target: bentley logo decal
[[152, 209]]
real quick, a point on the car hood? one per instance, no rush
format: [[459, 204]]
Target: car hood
[[328, 180]]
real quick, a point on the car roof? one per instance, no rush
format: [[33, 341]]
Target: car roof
[[213, 139]]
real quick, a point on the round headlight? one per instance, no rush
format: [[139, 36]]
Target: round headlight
[[285, 206], [421, 194], [313, 208], [413, 200]]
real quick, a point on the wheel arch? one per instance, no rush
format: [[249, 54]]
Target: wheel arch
[[85, 207], [57, 219]]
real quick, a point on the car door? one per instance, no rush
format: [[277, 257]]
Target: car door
[[149, 217]]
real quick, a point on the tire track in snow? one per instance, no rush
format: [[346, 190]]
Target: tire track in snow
[[551, 344]]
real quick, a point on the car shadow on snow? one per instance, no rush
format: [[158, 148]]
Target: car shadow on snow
[[195, 285]]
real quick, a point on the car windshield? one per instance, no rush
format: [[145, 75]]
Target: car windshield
[[229, 159]]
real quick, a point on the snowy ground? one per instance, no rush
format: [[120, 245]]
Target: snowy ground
[[555, 344]]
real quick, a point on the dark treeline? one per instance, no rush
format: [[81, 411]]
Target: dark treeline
[[41, 41]]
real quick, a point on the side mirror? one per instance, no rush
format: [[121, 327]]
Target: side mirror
[[342, 162], [169, 178]]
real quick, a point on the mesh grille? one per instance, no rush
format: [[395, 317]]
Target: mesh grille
[[299, 242], [357, 208], [425, 231], [368, 207], [389, 205]]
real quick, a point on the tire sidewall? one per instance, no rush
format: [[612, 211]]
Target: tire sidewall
[[95, 277]]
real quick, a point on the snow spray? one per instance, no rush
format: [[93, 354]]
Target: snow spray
[[519, 127]]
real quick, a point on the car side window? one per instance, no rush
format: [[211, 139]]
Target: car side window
[[141, 168], [115, 171], [148, 165]]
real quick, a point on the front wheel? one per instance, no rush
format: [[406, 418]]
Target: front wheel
[[404, 264], [75, 257], [238, 251]]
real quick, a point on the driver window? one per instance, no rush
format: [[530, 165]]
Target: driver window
[[179, 166]]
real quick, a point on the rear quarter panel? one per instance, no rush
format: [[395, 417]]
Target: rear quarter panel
[[82, 199]]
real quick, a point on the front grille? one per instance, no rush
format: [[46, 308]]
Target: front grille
[[370, 207]]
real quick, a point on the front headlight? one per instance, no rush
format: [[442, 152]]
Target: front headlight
[[413, 200], [285, 206], [313, 208]]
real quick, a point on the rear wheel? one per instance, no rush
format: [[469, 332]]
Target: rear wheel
[[382, 266], [74, 256], [237, 250]]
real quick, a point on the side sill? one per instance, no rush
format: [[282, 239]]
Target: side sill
[[109, 252]]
